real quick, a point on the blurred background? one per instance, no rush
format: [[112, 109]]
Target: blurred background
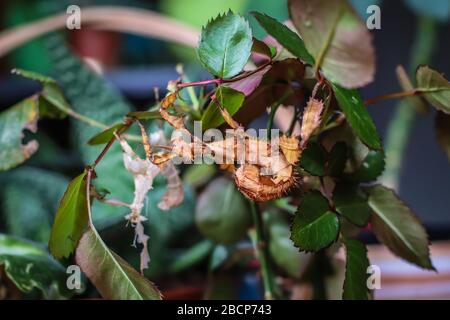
[[135, 64]]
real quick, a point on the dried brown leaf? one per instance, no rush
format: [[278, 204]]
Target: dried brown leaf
[[311, 119], [290, 146], [337, 38]]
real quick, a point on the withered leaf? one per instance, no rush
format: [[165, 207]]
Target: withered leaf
[[434, 88], [337, 39], [311, 118], [290, 147], [13, 121], [407, 86]]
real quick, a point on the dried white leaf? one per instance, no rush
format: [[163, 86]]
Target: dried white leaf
[[142, 238], [175, 193]]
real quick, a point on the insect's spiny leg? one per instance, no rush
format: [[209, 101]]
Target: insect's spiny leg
[[125, 146], [145, 141], [227, 117]]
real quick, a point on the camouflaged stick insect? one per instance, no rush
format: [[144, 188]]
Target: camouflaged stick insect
[[270, 174], [174, 195], [144, 172]]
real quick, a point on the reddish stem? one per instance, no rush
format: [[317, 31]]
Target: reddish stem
[[395, 95], [128, 123], [220, 80], [200, 83]]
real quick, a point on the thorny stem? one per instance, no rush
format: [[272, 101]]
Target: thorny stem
[[220, 81], [262, 252], [400, 126]]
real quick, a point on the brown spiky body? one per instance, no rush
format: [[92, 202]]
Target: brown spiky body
[[259, 173]]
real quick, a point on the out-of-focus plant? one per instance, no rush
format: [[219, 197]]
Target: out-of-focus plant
[[321, 181]]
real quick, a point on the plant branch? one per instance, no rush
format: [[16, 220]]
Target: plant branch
[[90, 170], [396, 95], [199, 83], [249, 73], [87, 120], [97, 124], [219, 81], [262, 252], [128, 123], [401, 124]]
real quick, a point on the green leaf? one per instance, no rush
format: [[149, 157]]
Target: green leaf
[[398, 228], [219, 255], [33, 76], [442, 128], [192, 256], [145, 115], [337, 39], [355, 283], [52, 102], [337, 159], [351, 202], [29, 197], [197, 175], [357, 116], [314, 227], [106, 135], [90, 95], [225, 45], [71, 219], [285, 36], [264, 49], [221, 213], [313, 159], [113, 277], [283, 252], [434, 88], [24, 115], [228, 98], [371, 168], [29, 266], [13, 121]]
